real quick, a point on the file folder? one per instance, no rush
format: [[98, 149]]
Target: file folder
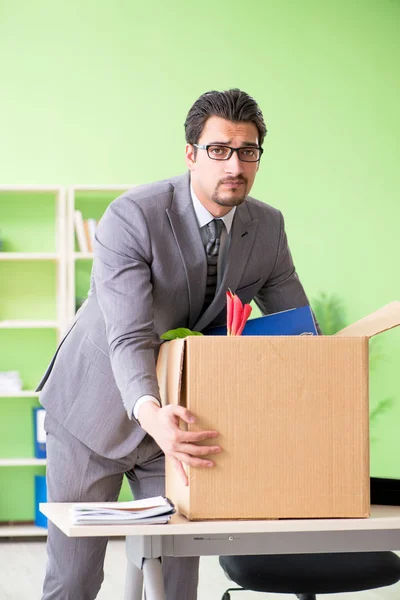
[[39, 432], [40, 497], [296, 321]]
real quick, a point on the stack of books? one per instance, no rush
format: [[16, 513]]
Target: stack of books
[[151, 510], [85, 230]]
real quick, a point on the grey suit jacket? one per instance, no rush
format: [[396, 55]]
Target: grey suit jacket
[[149, 275]]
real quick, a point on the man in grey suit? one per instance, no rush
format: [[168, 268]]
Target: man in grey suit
[[164, 256]]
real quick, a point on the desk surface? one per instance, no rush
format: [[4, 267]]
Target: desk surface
[[382, 518]]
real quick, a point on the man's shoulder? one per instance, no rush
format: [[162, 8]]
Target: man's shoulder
[[152, 194], [262, 210]]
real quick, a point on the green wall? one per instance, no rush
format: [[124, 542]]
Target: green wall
[[97, 93]]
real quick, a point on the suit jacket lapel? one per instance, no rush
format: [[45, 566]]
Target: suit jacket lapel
[[242, 236], [187, 234]]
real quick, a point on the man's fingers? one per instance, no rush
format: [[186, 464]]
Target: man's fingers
[[192, 461], [188, 417], [198, 436], [194, 450], [182, 413]]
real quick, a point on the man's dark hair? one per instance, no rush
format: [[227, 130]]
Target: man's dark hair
[[232, 105]]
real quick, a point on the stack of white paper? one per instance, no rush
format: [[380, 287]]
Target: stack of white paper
[[151, 510]]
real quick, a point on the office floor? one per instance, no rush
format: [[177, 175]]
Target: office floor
[[22, 565]]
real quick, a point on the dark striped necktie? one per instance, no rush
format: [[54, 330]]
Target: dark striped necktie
[[214, 229]]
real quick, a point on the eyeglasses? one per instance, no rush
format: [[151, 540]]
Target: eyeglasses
[[245, 154]]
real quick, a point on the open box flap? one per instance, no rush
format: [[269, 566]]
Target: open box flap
[[169, 370], [381, 320]]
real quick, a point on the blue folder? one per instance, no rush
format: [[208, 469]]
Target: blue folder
[[40, 497], [39, 435], [296, 321]]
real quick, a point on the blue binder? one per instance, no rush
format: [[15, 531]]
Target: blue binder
[[296, 321], [40, 496], [39, 434]]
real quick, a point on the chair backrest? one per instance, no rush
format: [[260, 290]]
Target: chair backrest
[[307, 575]]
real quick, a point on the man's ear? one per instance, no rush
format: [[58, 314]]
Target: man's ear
[[190, 157]]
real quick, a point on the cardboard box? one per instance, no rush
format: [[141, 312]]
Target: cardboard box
[[293, 417]]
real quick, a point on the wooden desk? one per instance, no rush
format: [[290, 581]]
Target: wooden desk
[[146, 544]]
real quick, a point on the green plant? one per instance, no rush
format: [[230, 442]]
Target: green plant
[[181, 332], [330, 313]]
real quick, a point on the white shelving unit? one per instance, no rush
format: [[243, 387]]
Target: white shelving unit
[[21, 324], [22, 530], [24, 394], [22, 462], [83, 255], [66, 259], [59, 258], [29, 256]]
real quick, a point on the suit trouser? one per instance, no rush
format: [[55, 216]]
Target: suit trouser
[[77, 474]]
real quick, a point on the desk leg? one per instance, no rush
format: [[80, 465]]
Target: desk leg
[[133, 582], [153, 579], [144, 564]]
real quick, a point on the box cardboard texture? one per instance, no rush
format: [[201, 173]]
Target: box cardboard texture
[[293, 418]]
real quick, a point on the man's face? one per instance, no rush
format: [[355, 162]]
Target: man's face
[[222, 184]]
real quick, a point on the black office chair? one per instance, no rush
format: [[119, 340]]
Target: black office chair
[[306, 575]]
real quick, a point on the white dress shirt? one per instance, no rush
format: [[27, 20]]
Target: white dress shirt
[[203, 217]]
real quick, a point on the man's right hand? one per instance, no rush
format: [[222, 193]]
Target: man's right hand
[[178, 445]]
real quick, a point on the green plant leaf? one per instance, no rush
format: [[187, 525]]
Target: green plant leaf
[[330, 313], [375, 353], [382, 407], [181, 332]]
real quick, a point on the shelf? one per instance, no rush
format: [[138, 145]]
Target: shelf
[[30, 188], [29, 325], [102, 188], [83, 255], [22, 530], [29, 256], [33, 317], [21, 394], [22, 462]]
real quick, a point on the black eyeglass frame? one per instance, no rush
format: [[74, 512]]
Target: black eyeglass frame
[[232, 150]]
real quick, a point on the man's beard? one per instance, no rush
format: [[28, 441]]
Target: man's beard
[[229, 200]]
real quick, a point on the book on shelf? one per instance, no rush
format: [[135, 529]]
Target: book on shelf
[[87, 235], [40, 497], [85, 230], [150, 510], [91, 227], [39, 414], [80, 231]]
